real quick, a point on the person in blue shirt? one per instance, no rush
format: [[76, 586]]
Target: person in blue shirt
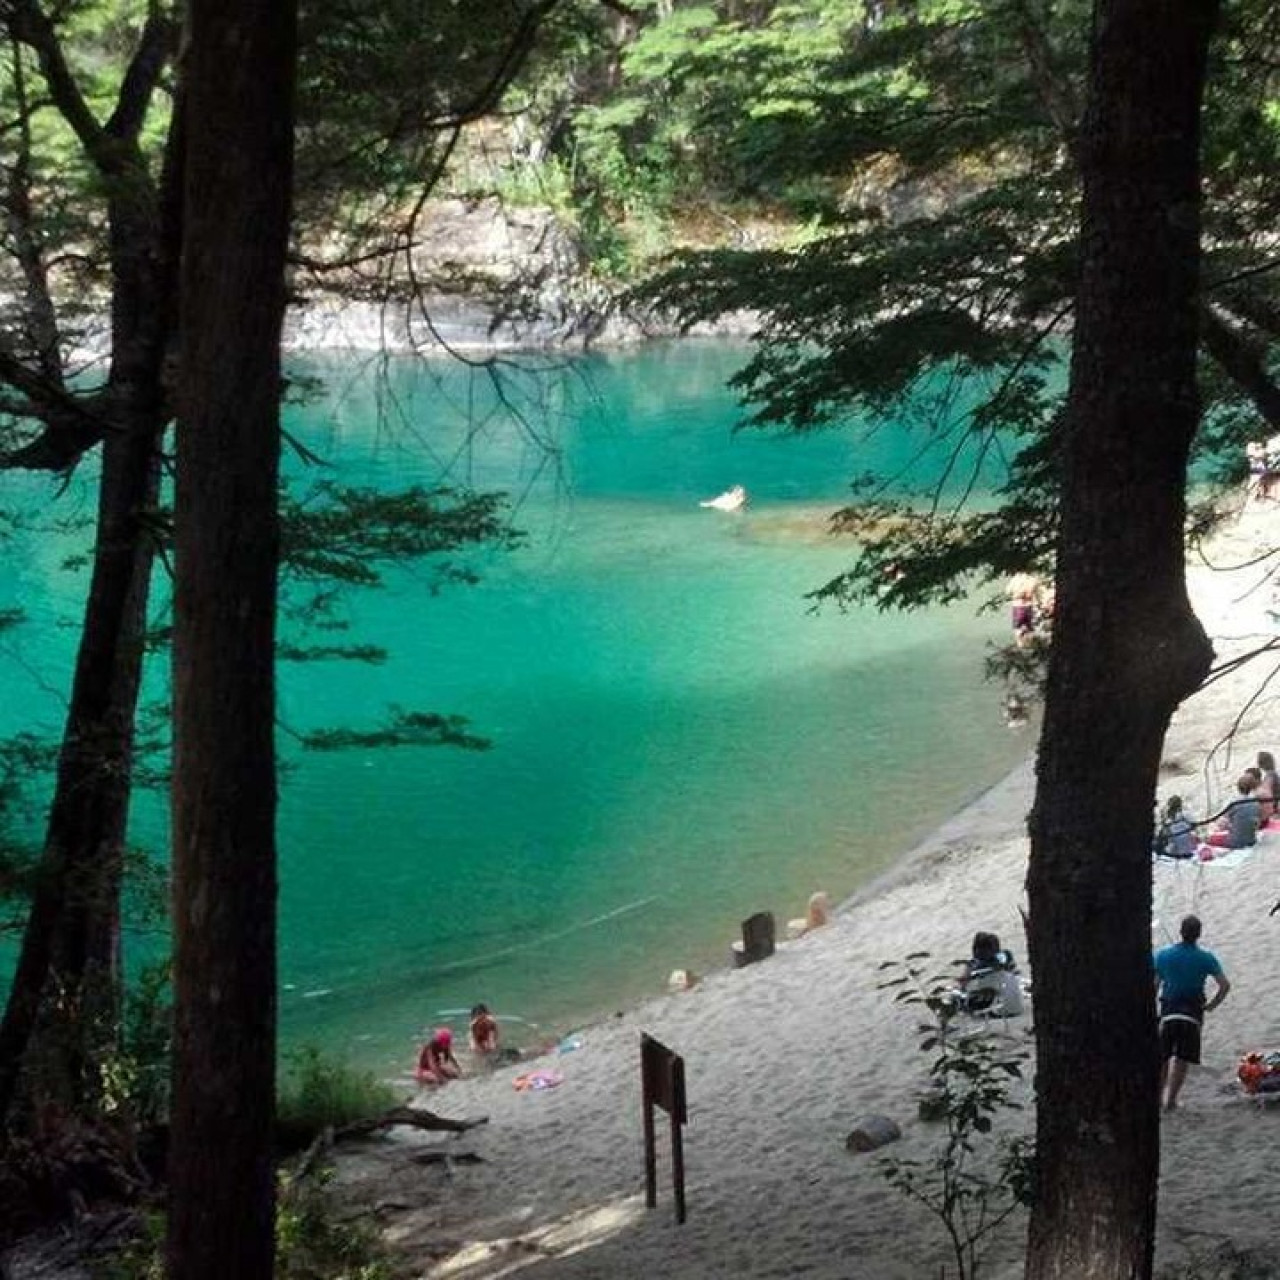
[[1181, 972]]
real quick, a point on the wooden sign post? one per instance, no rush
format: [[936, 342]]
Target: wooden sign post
[[662, 1085]]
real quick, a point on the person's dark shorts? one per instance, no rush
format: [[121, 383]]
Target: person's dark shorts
[[1180, 1038]]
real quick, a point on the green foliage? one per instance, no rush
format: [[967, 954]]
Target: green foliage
[[317, 1092], [382, 91], [707, 100], [347, 535], [135, 1078], [975, 1179], [23, 758], [313, 1243], [142, 1258], [402, 729], [948, 245], [1021, 668]]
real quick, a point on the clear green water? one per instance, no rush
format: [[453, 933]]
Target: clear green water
[[678, 741]]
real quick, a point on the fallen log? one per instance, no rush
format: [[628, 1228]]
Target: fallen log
[[410, 1117]]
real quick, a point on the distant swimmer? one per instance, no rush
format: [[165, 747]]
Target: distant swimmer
[[733, 499]]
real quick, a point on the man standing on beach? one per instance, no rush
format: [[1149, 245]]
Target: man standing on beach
[[1181, 970]]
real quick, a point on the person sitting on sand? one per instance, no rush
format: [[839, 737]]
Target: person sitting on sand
[[436, 1063], [990, 968], [987, 954], [483, 1032], [1239, 826], [732, 499], [817, 915], [1176, 837]]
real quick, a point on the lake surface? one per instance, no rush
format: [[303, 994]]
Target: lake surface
[[678, 740]]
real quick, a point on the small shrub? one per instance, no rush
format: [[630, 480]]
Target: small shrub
[[313, 1244], [142, 1258], [317, 1092], [974, 1181], [134, 1080]]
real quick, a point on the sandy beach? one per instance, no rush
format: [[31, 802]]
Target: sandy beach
[[785, 1057]]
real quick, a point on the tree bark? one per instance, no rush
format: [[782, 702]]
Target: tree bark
[[67, 977], [239, 86], [62, 1011], [1127, 647]]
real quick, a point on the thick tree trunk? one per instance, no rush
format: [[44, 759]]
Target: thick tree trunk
[[66, 977], [1126, 647], [63, 1006], [239, 78]]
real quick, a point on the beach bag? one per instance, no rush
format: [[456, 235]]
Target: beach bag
[[1259, 1072]]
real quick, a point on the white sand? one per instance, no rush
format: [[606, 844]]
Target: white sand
[[783, 1058]]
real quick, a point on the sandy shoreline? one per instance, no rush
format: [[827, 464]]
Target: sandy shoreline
[[783, 1058]]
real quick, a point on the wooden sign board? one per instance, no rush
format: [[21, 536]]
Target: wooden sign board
[[662, 1085]]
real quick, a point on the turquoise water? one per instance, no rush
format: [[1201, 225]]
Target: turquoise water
[[678, 740]]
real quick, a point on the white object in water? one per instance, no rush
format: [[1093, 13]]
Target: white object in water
[[732, 499]]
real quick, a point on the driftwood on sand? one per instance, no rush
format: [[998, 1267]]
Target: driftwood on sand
[[411, 1117]]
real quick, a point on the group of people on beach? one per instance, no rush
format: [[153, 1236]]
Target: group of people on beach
[[1237, 827], [989, 984], [437, 1064]]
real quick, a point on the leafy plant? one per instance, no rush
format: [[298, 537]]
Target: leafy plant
[[135, 1078], [313, 1243], [975, 1179], [318, 1092]]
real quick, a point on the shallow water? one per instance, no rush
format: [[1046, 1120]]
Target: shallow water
[[677, 739]]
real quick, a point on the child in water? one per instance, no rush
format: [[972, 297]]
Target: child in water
[[483, 1032]]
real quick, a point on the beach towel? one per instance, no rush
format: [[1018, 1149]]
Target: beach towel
[[537, 1081]]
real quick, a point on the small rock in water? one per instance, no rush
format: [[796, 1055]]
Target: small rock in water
[[872, 1132]]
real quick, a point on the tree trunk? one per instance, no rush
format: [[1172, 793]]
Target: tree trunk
[[66, 987], [239, 82], [66, 980], [1126, 649]]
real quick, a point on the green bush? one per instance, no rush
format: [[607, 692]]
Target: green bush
[[312, 1242], [317, 1092]]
